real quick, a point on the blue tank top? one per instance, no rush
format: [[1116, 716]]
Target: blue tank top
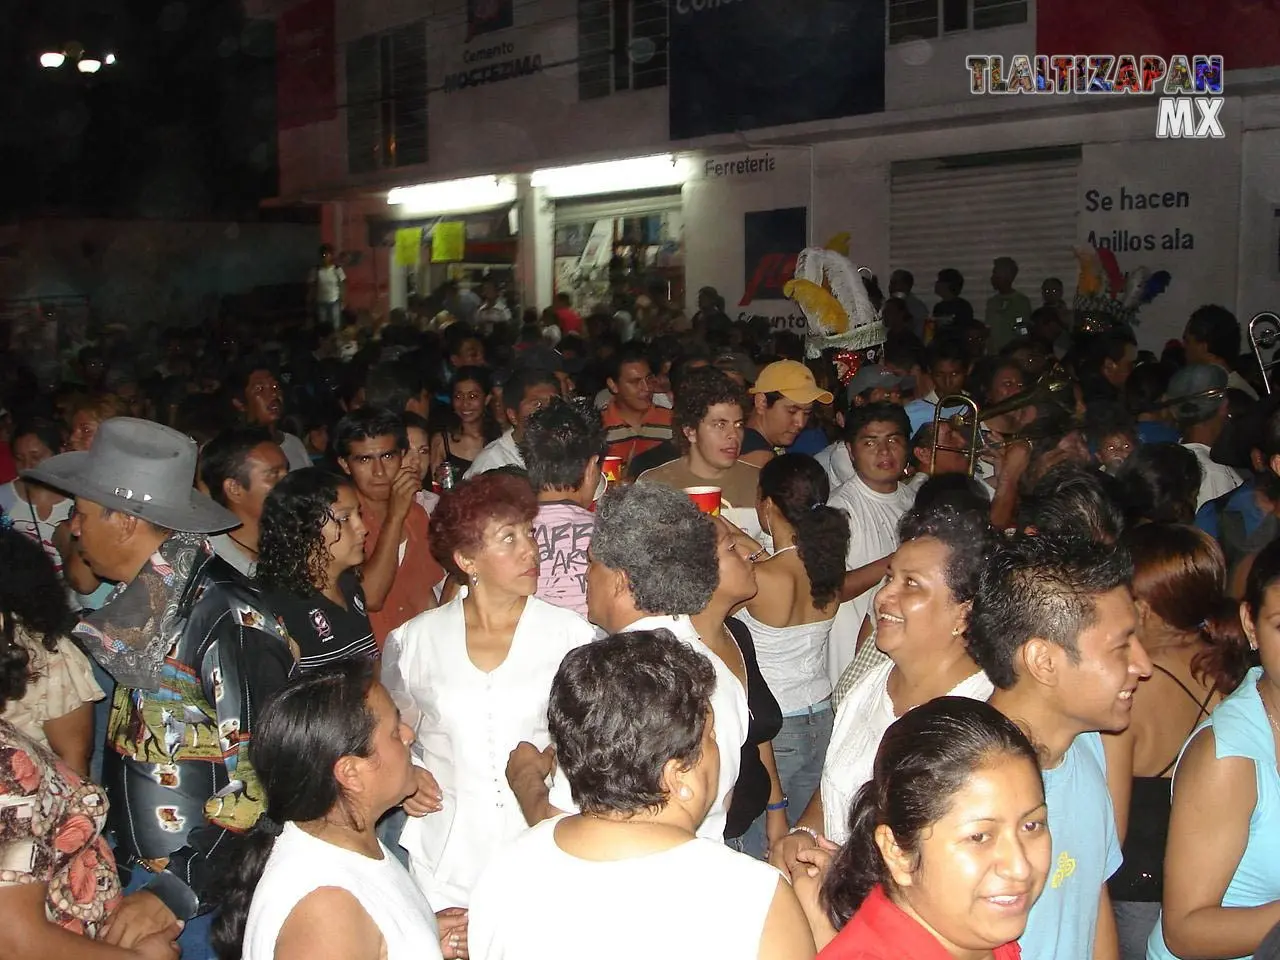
[[1241, 729]]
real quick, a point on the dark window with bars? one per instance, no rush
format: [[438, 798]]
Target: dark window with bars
[[926, 19], [622, 45], [387, 99]]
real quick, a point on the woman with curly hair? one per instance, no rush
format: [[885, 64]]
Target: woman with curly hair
[[51, 701], [478, 670], [790, 621], [311, 542], [58, 880]]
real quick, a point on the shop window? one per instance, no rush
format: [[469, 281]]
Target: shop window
[[622, 45], [927, 19], [387, 99]]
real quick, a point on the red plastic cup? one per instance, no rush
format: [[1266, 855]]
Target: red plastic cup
[[612, 469], [706, 499]]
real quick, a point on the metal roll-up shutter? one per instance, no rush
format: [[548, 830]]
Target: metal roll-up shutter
[[963, 212], [581, 210]]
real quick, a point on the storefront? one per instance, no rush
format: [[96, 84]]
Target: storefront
[[466, 231], [618, 231]]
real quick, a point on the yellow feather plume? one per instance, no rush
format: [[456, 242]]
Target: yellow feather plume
[[818, 304]]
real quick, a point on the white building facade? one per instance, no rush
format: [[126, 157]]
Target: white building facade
[[496, 94]]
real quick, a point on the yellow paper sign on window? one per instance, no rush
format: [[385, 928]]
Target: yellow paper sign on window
[[449, 242], [408, 246]]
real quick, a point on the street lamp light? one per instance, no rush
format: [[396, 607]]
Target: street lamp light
[[74, 52]]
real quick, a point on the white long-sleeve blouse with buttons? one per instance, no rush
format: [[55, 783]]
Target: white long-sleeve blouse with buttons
[[467, 722]]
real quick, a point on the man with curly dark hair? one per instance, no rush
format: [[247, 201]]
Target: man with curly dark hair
[[709, 419]]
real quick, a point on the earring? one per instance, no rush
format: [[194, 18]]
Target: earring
[[475, 579], [768, 518], [956, 631], [686, 793]]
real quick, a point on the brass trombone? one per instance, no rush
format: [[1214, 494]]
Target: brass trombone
[[1264, 333], [970, 417]]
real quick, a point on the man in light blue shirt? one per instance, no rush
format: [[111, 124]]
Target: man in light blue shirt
[[1054, 626]]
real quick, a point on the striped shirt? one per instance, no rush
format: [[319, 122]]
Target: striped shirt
[[625, 441]]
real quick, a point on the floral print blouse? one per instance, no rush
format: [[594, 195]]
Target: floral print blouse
[[51, 832]]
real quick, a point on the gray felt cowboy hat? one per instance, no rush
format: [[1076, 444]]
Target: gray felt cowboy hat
[[141, 468]]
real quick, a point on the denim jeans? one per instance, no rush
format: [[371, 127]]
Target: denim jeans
[[799, 751], [329, 316], [194, 940], [1134, 922], [101, 715]]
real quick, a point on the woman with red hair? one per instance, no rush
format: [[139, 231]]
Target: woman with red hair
[[473, 678]]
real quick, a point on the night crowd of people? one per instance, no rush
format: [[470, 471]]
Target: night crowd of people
[[642, 635]]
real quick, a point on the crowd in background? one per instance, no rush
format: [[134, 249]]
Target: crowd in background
[[641, 632]]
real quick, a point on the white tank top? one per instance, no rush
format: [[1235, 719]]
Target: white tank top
[[700, 899], [301, 864], [793, 660]]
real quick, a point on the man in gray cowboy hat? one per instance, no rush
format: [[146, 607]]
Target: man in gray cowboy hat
[[194, 656]]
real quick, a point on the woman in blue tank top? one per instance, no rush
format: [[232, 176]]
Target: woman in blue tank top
[[1222, 868]]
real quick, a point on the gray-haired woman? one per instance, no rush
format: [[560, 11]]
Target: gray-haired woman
[[653, 565]]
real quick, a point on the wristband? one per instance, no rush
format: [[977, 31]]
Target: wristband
[[780, 805]]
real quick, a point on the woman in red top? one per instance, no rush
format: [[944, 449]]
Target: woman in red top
[[948, 844]]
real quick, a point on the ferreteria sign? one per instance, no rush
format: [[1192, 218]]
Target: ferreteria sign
[[1189, 86], [492, 65]]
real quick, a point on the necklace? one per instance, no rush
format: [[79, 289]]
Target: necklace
[[243, 546], [778, 553], [1267, 710]]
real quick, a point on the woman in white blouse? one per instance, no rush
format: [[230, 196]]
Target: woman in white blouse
[[478, 673], [921, 616]]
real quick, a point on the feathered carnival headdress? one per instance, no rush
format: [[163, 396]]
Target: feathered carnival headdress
[[1102, 289], [830, 292]]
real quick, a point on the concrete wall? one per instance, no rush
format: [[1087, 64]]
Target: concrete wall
[[849, 192]]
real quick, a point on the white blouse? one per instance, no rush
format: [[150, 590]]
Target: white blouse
[[468, 723], [301, 864], [728, 707], [861, 722], [537, 902]]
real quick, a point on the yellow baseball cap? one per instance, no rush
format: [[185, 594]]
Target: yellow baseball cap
[[793, 380]]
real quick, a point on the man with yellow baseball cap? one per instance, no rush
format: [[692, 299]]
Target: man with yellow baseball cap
[[782, 399]]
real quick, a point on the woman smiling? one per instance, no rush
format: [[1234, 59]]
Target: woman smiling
[[948, 845], [921, 615]]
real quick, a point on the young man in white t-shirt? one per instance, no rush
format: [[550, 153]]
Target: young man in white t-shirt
[[1054, 627], [328, 288]]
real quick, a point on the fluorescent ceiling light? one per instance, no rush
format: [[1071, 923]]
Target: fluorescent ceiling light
[[454, 196], [52, 60], [616, 176], [89, 65], [109, 59]]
